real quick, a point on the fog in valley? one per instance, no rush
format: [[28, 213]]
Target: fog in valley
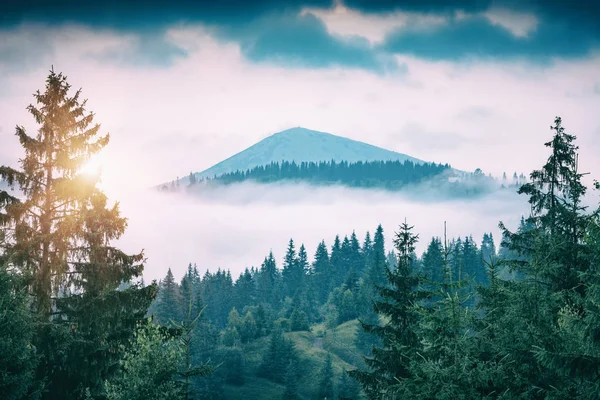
[[234, 227]]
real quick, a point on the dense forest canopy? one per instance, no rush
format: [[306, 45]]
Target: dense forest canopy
[[517, 319], [386, 175]]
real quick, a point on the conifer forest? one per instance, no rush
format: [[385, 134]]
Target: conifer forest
[[177, 222], [507, 318]]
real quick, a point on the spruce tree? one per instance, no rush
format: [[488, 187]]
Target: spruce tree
[[289, 271], [367, 250], [357, 262], [169, 300], [186, 331], [280, 353], [336, 263], [61, 229], [268, 281], [391, 363], [433, 260], [291, 382], [377, 268], [245, 290], [551, 292], [348, 388], [322, 272], [447, 367], [326, 389]]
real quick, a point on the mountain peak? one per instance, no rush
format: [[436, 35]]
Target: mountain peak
[[300, 144], [299, 130]]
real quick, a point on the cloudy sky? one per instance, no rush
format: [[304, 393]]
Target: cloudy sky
[[474, 83]]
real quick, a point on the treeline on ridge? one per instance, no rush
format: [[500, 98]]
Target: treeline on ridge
[[387, 175], [390, 174]]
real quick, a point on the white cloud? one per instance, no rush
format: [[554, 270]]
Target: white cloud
[[344, 21], [519, 24]]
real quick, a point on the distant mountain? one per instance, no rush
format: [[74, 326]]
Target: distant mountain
[[300, 144]]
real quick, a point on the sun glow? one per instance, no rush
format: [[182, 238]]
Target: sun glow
[[93, 167]]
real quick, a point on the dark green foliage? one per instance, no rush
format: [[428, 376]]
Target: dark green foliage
[[377, 267], [386, 174], [343, 305], [399, 336], [245, 290], [169, 300], [232, 365], [294, 270], [280, 354], [336, 262], [326, 389], [365, 341], [291, 382], [186, 331], [488, 248], [190, 289], [217, 295], [210, 388], [18, 359], [433, 261], [322, 272], [149, 368], [91, 335], [269, 281], [347, 388], [298, 321]]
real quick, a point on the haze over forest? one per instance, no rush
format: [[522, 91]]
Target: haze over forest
[[272, 162]]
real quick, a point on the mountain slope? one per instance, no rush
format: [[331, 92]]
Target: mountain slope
[[300, 144]]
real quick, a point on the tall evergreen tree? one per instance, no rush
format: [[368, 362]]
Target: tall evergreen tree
[[348, 388], [357, 261], [367, 250], [245, 290], [326, 388], [61, 231], [289, 271], [398, 305], [488, 248], [186, 331], [337, 263], [268, 280], [303, 265], [377, 268], [433, 260], [322, 272], [169, 300], [552, 263], [280, 354], [291, 382], [447, 367]]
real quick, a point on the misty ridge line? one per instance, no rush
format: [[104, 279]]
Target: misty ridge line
[[445, 185]]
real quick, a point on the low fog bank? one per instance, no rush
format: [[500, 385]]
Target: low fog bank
[[235, 226]]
